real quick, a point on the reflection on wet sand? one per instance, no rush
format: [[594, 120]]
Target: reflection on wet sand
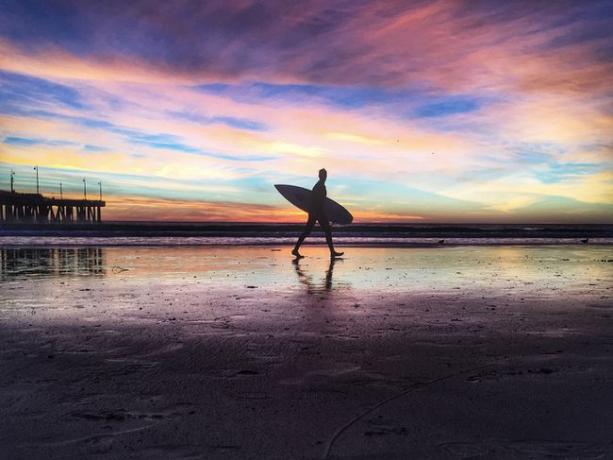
[[307, 279], [469, 269], [51, 261]]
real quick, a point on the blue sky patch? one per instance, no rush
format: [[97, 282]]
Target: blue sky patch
[[451, 105], [17, 89], [13, 140], [234, 122], [559, 172]]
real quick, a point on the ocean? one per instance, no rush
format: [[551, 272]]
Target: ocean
[[198, 234]]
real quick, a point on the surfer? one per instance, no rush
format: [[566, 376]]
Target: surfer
[[317, 213]]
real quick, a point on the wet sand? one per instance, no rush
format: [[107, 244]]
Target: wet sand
[[236, 352]]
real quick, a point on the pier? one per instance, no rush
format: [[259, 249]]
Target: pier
[[36, 208]]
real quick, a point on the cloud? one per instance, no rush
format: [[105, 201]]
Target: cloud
[[427, 109], [374, 43]]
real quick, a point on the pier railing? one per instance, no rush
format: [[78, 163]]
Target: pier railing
[[36, 208]]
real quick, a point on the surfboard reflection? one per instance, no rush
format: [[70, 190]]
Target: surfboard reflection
[[313, 286]]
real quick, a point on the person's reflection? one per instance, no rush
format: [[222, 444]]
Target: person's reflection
[[307, 280]]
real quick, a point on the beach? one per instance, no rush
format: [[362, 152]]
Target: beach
[[491, 351]]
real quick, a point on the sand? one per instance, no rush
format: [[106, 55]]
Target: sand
[[462, 352]]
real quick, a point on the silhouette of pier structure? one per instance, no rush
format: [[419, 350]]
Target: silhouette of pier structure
[[35, 208]]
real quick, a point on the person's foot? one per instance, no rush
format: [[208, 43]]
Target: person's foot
[[296, 254], [335, 254]]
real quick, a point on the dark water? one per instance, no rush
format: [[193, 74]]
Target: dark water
[[155, 233]]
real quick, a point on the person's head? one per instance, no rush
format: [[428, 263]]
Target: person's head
[[323, 174]]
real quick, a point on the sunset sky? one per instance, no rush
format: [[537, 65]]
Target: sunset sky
[[421, 111]]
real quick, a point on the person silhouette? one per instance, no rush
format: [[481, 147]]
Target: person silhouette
[[317, 214]]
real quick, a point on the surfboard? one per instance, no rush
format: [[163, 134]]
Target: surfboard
[[301, 198]]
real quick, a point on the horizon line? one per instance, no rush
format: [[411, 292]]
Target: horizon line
[[230, 222]]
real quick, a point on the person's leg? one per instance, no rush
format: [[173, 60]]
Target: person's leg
[[307, 229], [325, 225]]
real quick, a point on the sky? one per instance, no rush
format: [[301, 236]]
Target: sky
[[421, 111]]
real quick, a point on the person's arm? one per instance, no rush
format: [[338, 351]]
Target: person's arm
[[317, 199]]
